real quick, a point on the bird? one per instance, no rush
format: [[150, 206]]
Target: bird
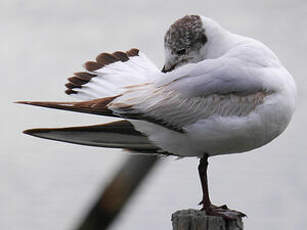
[[217, 93]]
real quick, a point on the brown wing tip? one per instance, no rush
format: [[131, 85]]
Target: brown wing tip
[[121, 56], [85, 76], [92, 66], [36, 103], [106, 58], [103, 59], [96, 106], [70, 91], [31, 132], [70, 85], [76, 81], [133, 52], [22, 102], [40, 103]]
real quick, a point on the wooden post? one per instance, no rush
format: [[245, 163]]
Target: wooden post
[[191, 219]]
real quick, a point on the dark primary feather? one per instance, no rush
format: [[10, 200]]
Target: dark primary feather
[[100, 107], [119, 134]]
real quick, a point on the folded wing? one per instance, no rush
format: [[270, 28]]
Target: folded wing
[[190, 96], [217, 87]]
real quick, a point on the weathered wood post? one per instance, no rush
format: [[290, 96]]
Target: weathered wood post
[[191, 219]]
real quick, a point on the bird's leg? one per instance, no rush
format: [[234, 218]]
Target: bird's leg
[[208, 207], [202, 170]]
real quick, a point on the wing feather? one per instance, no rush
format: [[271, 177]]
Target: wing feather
[[225, 86], [186, 95], [171, 109], [119, 134], [110, 73]]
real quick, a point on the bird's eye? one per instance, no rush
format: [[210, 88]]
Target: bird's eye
[[181, 51]]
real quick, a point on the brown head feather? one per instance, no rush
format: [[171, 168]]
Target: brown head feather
[[187, 32]]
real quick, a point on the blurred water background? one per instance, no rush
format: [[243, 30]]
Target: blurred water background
[[50, 185]]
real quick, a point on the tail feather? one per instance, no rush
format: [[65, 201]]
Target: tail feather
[[119, 134]]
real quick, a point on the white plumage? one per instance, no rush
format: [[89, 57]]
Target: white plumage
[[239, 98], [112, 79]]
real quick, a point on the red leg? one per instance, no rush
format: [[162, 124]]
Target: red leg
[[202, 170], [208, 207]]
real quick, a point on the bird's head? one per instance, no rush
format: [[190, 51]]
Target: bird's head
[[186, 41]]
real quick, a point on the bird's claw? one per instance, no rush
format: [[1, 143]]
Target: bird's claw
[[224, 206], [223, 211]]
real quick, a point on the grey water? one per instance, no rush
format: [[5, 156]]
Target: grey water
[[50, 185]]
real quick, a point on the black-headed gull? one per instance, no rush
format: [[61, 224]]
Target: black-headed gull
[[218, 93]]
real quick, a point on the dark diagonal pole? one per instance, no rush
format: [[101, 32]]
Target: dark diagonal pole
[[116, 195]]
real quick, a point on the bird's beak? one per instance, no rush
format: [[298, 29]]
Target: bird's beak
[[168, 68], [163, 69]]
